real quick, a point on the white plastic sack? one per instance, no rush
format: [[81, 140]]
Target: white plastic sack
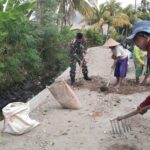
[[16, 118], [63, 93]]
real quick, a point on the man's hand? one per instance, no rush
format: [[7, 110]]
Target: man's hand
[[143, 66], [85, 52], [141, 111], [113, 57], [81, 63], [113, 66]]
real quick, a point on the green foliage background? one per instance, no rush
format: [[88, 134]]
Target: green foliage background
[[30, 47], [34, 39]]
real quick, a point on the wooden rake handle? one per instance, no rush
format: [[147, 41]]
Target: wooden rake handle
[[133, 113], [109, 77]]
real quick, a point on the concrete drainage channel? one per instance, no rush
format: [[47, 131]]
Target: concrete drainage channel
[[94, 85], [36, 101], [42, 96]]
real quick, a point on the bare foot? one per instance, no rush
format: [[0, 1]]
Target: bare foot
[[143, 83], [117, 86]]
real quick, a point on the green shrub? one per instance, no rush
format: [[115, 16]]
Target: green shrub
[[114, 34], [32, 61], [94, 37]]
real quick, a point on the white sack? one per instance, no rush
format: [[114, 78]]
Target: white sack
[[16, 118]]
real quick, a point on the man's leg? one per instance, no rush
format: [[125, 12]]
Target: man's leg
[[72, 70], [145, 79], [120, 81], [137, 80], [85, 71], [147, 72]]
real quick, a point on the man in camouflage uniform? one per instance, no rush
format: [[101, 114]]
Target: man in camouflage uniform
[[78, 50]]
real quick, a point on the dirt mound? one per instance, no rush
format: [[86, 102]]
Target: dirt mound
[[122, 147], [129, 86]]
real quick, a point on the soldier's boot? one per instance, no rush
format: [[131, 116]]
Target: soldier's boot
[[86, 77]]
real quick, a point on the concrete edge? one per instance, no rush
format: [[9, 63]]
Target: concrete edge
[[44, 94], [36, 101]]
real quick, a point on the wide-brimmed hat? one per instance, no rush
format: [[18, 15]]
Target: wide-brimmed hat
[[140, 26], [110, 43]]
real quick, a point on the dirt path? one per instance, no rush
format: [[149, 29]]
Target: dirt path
[[62, 129]]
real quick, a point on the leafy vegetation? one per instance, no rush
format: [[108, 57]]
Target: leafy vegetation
[[35, 36], [31, 47], [94, 38]]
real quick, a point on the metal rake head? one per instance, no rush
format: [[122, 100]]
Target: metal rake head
[[120, 126]]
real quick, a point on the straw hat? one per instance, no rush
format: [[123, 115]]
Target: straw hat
[[110, 43]]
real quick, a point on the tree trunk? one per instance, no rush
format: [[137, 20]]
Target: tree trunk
[[126, 31], [65, 11], [135, 4], [107, 31]]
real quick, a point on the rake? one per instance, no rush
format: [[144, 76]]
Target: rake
[[121, 124]]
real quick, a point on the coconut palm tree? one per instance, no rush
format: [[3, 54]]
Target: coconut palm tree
[[109, 13], [69, 7], [121, 21], [97, 17], [113, 7], [130, 12], [144, 10], [145, 6]]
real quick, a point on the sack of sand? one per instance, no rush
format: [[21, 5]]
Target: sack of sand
[[63, 93]]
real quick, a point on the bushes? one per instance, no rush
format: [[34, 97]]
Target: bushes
[[54, 45], [18, 66], [94, 37], [28, 48], [18, 56], [114, 34]]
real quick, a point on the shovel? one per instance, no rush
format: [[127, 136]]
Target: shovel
[[106, 88]]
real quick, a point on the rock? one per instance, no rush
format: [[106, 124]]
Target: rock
[[117, 101], [52, 143], [65, 133], [105, 132]]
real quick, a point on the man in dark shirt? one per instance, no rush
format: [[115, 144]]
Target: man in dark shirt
[[77, 52]]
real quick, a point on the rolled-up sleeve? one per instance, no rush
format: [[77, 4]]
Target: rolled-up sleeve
[[84, 44], [146, 102]]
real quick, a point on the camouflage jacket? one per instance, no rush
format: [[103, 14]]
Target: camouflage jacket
[[78, 48]]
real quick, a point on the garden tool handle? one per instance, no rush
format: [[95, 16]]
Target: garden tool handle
[[109, 78], [133, 113]]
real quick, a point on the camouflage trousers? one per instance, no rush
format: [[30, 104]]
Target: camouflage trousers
[[73, 63]]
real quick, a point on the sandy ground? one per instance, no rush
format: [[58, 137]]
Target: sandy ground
[[62, 129]]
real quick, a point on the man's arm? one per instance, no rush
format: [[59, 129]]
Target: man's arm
[[84, 43], [73, 51], [145, 103]]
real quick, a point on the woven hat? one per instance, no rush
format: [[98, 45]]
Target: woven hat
[[140, 26], [110, 43]]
